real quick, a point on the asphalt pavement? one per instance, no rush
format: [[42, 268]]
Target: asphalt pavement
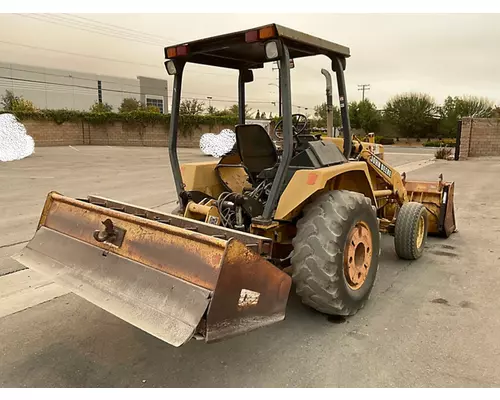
[[431, 322]]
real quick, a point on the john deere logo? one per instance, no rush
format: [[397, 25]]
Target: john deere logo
[[381, 166]]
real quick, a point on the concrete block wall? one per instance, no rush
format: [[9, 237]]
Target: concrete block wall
[[47, 133], [480, 137]]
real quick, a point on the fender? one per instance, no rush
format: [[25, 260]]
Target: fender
[[306, 184]]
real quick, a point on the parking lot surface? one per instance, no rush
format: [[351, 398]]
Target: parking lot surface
[[431, 322]]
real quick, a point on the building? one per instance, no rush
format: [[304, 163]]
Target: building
[[64, 89]]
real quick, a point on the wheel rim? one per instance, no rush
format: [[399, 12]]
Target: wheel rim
[[420, 231], [358, 255]]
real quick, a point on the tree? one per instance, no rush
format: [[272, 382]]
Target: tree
[[11, 102], [8, 100], [364, 115], [234, 110], [130, 104], [211, 110], [101, 107], [455, 108], [320, 112], [412, 114], [191, 107]]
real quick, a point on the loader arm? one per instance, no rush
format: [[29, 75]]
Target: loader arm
[[437, 197], [394, 183]]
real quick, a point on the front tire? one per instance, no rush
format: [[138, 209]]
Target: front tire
[[410, 233], [336, 253]]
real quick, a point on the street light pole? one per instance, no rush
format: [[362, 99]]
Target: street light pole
[[279, 88], [279, 91]]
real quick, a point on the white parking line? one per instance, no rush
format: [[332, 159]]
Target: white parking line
[[408, 154], [412, 166], [24, 289]]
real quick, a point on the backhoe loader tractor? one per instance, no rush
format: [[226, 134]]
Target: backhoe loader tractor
[[304, 209]]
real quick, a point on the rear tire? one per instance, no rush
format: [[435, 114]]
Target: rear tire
[[336, 253], [410, 233]]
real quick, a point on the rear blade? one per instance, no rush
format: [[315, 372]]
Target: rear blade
[[164, 306], [251, 293], [170, 281]]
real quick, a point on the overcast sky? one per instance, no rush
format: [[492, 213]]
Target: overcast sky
[[449, 54]]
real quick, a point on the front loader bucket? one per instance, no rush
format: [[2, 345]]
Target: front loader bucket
[[172, 277], [438, 198]]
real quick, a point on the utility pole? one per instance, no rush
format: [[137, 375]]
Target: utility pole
[[363, 88], [99, 92]]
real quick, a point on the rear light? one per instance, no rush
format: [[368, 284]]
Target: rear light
[[171, 52], [251, 36], [177, 51], [267, 32], [182, 50]]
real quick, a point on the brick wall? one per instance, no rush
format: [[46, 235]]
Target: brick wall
[[480, 137], [46, 133]]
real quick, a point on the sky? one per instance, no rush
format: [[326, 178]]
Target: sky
[[439, 54]]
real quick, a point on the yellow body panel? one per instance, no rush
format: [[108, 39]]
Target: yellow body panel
[[201, 176], [306, 183], [235, 178]]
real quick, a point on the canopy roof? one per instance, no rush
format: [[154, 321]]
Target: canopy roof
[[245, 49]]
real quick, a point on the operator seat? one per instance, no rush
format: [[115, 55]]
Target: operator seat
[[256, 149]]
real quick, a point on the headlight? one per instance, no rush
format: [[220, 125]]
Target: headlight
[[171, 67], [272, 51]]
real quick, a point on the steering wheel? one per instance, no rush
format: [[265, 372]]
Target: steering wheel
[[299, 123]]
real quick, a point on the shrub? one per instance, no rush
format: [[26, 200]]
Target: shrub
[[11, 102], [101, 108], [129, 104], [437, 143], [443, 153], [153, 109], [383, 140]]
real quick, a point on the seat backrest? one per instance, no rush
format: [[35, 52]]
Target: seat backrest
[[256, 148]]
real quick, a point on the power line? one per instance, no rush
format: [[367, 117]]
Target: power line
[[80, 55], [77, 77], [116, 60], [58, 84], [105, 30], [363, 88], [66, 85], [105, 81], [109, 25], [57, 20]]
